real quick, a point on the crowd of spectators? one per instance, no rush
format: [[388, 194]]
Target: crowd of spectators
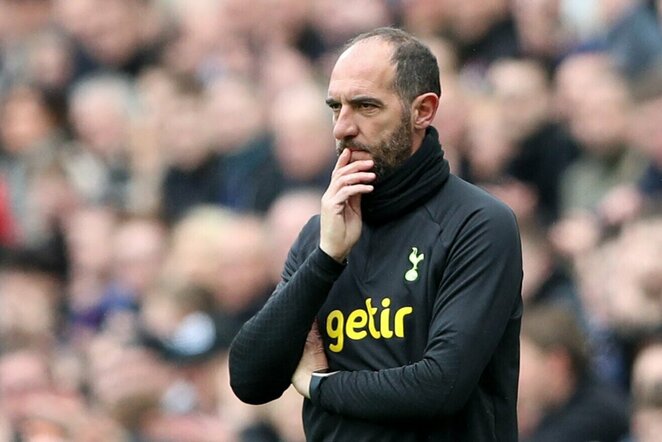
[[158, 157]]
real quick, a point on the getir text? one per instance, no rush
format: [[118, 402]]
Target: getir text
[[363, 322]]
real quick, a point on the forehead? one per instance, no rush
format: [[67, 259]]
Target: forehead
[[364, 68]]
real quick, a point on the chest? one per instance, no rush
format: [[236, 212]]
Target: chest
[[378, 312]]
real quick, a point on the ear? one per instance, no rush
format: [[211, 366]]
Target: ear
[[424, 109]]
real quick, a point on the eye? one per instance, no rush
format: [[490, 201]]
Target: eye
[[367, 107], [333, 105]]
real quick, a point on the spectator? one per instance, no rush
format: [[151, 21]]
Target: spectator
[[542, 148], [539, 30], [29, 139], [425, 17], [180, 322], [50, 61], [452, 121], [241, 283], [241, 139], [283, 68], [489, 148], [634, 284], [629, 201], [29, 299], [483, 31], [193, 254], [633, 39], [573, 77], [191, 173], [126, 382], [138, 247], [99, 159], [87, 308], [606, 160], [199, 42], [546, 281], [559, 397], [303, 154], [647, 394], [32, 403], [284, 221], [19, 22], [115, 35]]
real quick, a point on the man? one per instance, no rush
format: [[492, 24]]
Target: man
[[647, 392], [560, 399], [412, 275]]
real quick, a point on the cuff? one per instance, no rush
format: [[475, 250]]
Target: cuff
[[326, 264], [314, 388]]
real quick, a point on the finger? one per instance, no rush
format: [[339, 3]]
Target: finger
[[354, 166], [343, 159], [349, 180], [351, 174], [341, 180], [348, 191], [338, 192]]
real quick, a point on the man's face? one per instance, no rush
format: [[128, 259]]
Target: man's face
[[368, 115]]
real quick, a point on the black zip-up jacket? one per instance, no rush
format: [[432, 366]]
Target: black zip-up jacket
[[421, 323]]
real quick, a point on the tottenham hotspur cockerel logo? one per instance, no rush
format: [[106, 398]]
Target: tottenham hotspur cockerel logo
[[414, 258]]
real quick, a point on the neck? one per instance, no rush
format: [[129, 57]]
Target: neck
[[416, 140], [410, 184]]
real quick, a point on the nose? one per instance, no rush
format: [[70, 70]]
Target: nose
[[344, 125]]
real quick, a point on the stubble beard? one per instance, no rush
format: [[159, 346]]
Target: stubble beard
[[387, 154]]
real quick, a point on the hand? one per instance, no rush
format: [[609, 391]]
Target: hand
[[312, 360], [340, 219]]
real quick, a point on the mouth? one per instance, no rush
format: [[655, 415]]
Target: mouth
[[359, 154]]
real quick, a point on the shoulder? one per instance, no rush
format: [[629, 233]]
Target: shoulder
[[305, 244], [308, 238], [459, 204]]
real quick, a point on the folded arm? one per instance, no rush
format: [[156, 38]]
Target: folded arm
[[267, 349], [479, 291]]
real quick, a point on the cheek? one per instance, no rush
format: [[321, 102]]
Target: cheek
[[377, 129]]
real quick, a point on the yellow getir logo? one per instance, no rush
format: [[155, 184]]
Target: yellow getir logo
[[361, 323]]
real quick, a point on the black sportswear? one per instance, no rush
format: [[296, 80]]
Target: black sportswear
[[421, 323]]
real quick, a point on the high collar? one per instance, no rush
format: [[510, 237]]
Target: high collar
[[409, 185]]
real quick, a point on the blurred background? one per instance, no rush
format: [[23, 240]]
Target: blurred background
[[158, 157]]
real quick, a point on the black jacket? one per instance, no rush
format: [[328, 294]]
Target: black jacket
[[422, 324], [595, 412]]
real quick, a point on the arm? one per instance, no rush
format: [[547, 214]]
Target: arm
[[267, 349], [475, 301]]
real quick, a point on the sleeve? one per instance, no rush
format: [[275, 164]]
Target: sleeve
[[268, 347], [480, 289]]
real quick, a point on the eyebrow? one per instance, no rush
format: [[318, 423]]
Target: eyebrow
[[361, 99]]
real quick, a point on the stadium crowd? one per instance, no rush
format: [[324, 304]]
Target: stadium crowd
[[158, 158]]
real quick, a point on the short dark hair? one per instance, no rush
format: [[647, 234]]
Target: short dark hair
[[553, 327], [416, 68]]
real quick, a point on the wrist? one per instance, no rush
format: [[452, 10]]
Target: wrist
[[301, 383], [316, 380], [340, 258]]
